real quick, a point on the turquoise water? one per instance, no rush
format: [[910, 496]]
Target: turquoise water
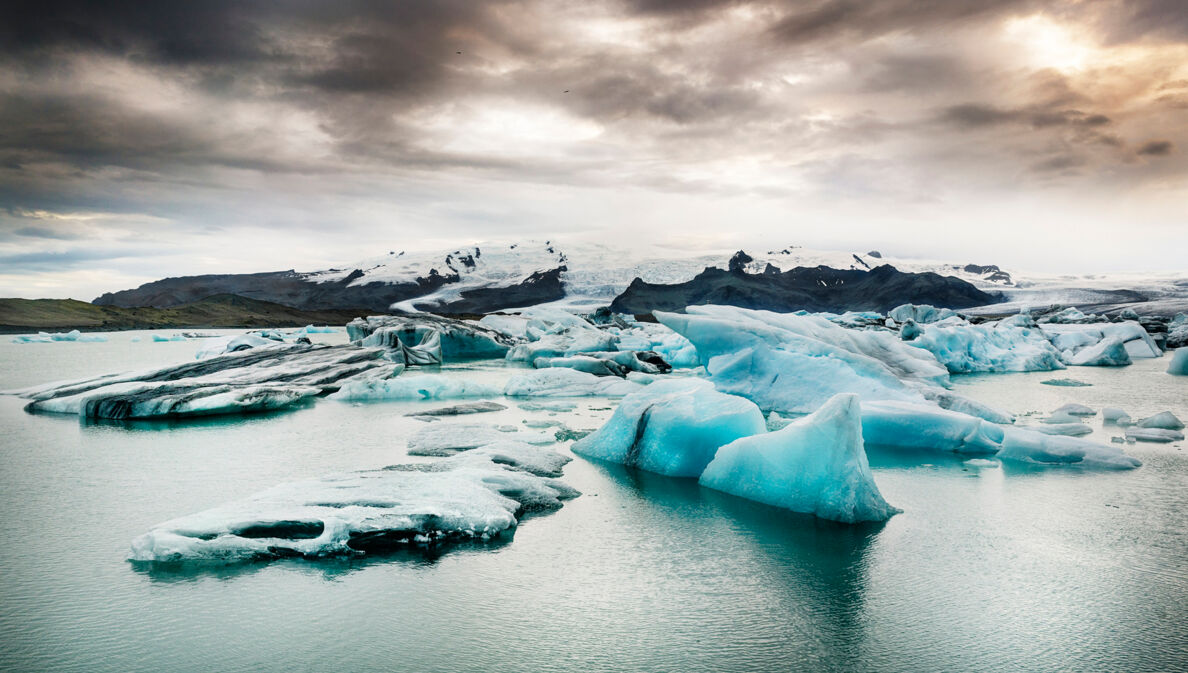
[[1003, 569]]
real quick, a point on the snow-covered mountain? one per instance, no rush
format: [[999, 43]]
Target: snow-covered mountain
[[580, 275]]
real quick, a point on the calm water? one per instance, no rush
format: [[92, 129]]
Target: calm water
[[1006, 569]]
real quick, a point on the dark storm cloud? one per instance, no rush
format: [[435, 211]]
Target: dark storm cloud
[[1156, 148], [975, 115], [365, 95]]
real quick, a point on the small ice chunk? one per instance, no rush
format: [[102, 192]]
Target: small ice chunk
[[1115, 416], [1164, 419], [1179, 362], [672, 427], [816, 465], [982, 462]]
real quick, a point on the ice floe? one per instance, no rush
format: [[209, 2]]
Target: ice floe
[[52, 337]]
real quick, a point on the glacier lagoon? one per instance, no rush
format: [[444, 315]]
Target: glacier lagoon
[[989, 567]]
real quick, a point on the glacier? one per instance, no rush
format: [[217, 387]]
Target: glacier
[[672, 427], [815, 465]]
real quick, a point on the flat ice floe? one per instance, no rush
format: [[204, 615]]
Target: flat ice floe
[[480, 495], [815, 465], [258, 379]]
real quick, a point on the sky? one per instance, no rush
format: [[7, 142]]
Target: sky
[[140, 140]]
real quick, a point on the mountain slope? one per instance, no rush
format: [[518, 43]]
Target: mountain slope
[[24, 315], [813, 289]]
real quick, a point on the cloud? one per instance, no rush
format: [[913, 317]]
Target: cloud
[[296, 119], [1156, 148]]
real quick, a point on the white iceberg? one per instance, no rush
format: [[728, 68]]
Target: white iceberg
[[672, 427], [815, 465], [479, 495]]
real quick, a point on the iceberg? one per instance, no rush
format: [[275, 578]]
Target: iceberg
[[791, 363], [168, 337], [480, 495], [259, 379], [451, 339], [815, 465], [919, 313], [422, 387], [1115, 416], [1109, 352], [904, 425], [1028, 446], [1165, 420], [1179, 362], [672, 427], [989, 348], [1070, 339], [561, 382]]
